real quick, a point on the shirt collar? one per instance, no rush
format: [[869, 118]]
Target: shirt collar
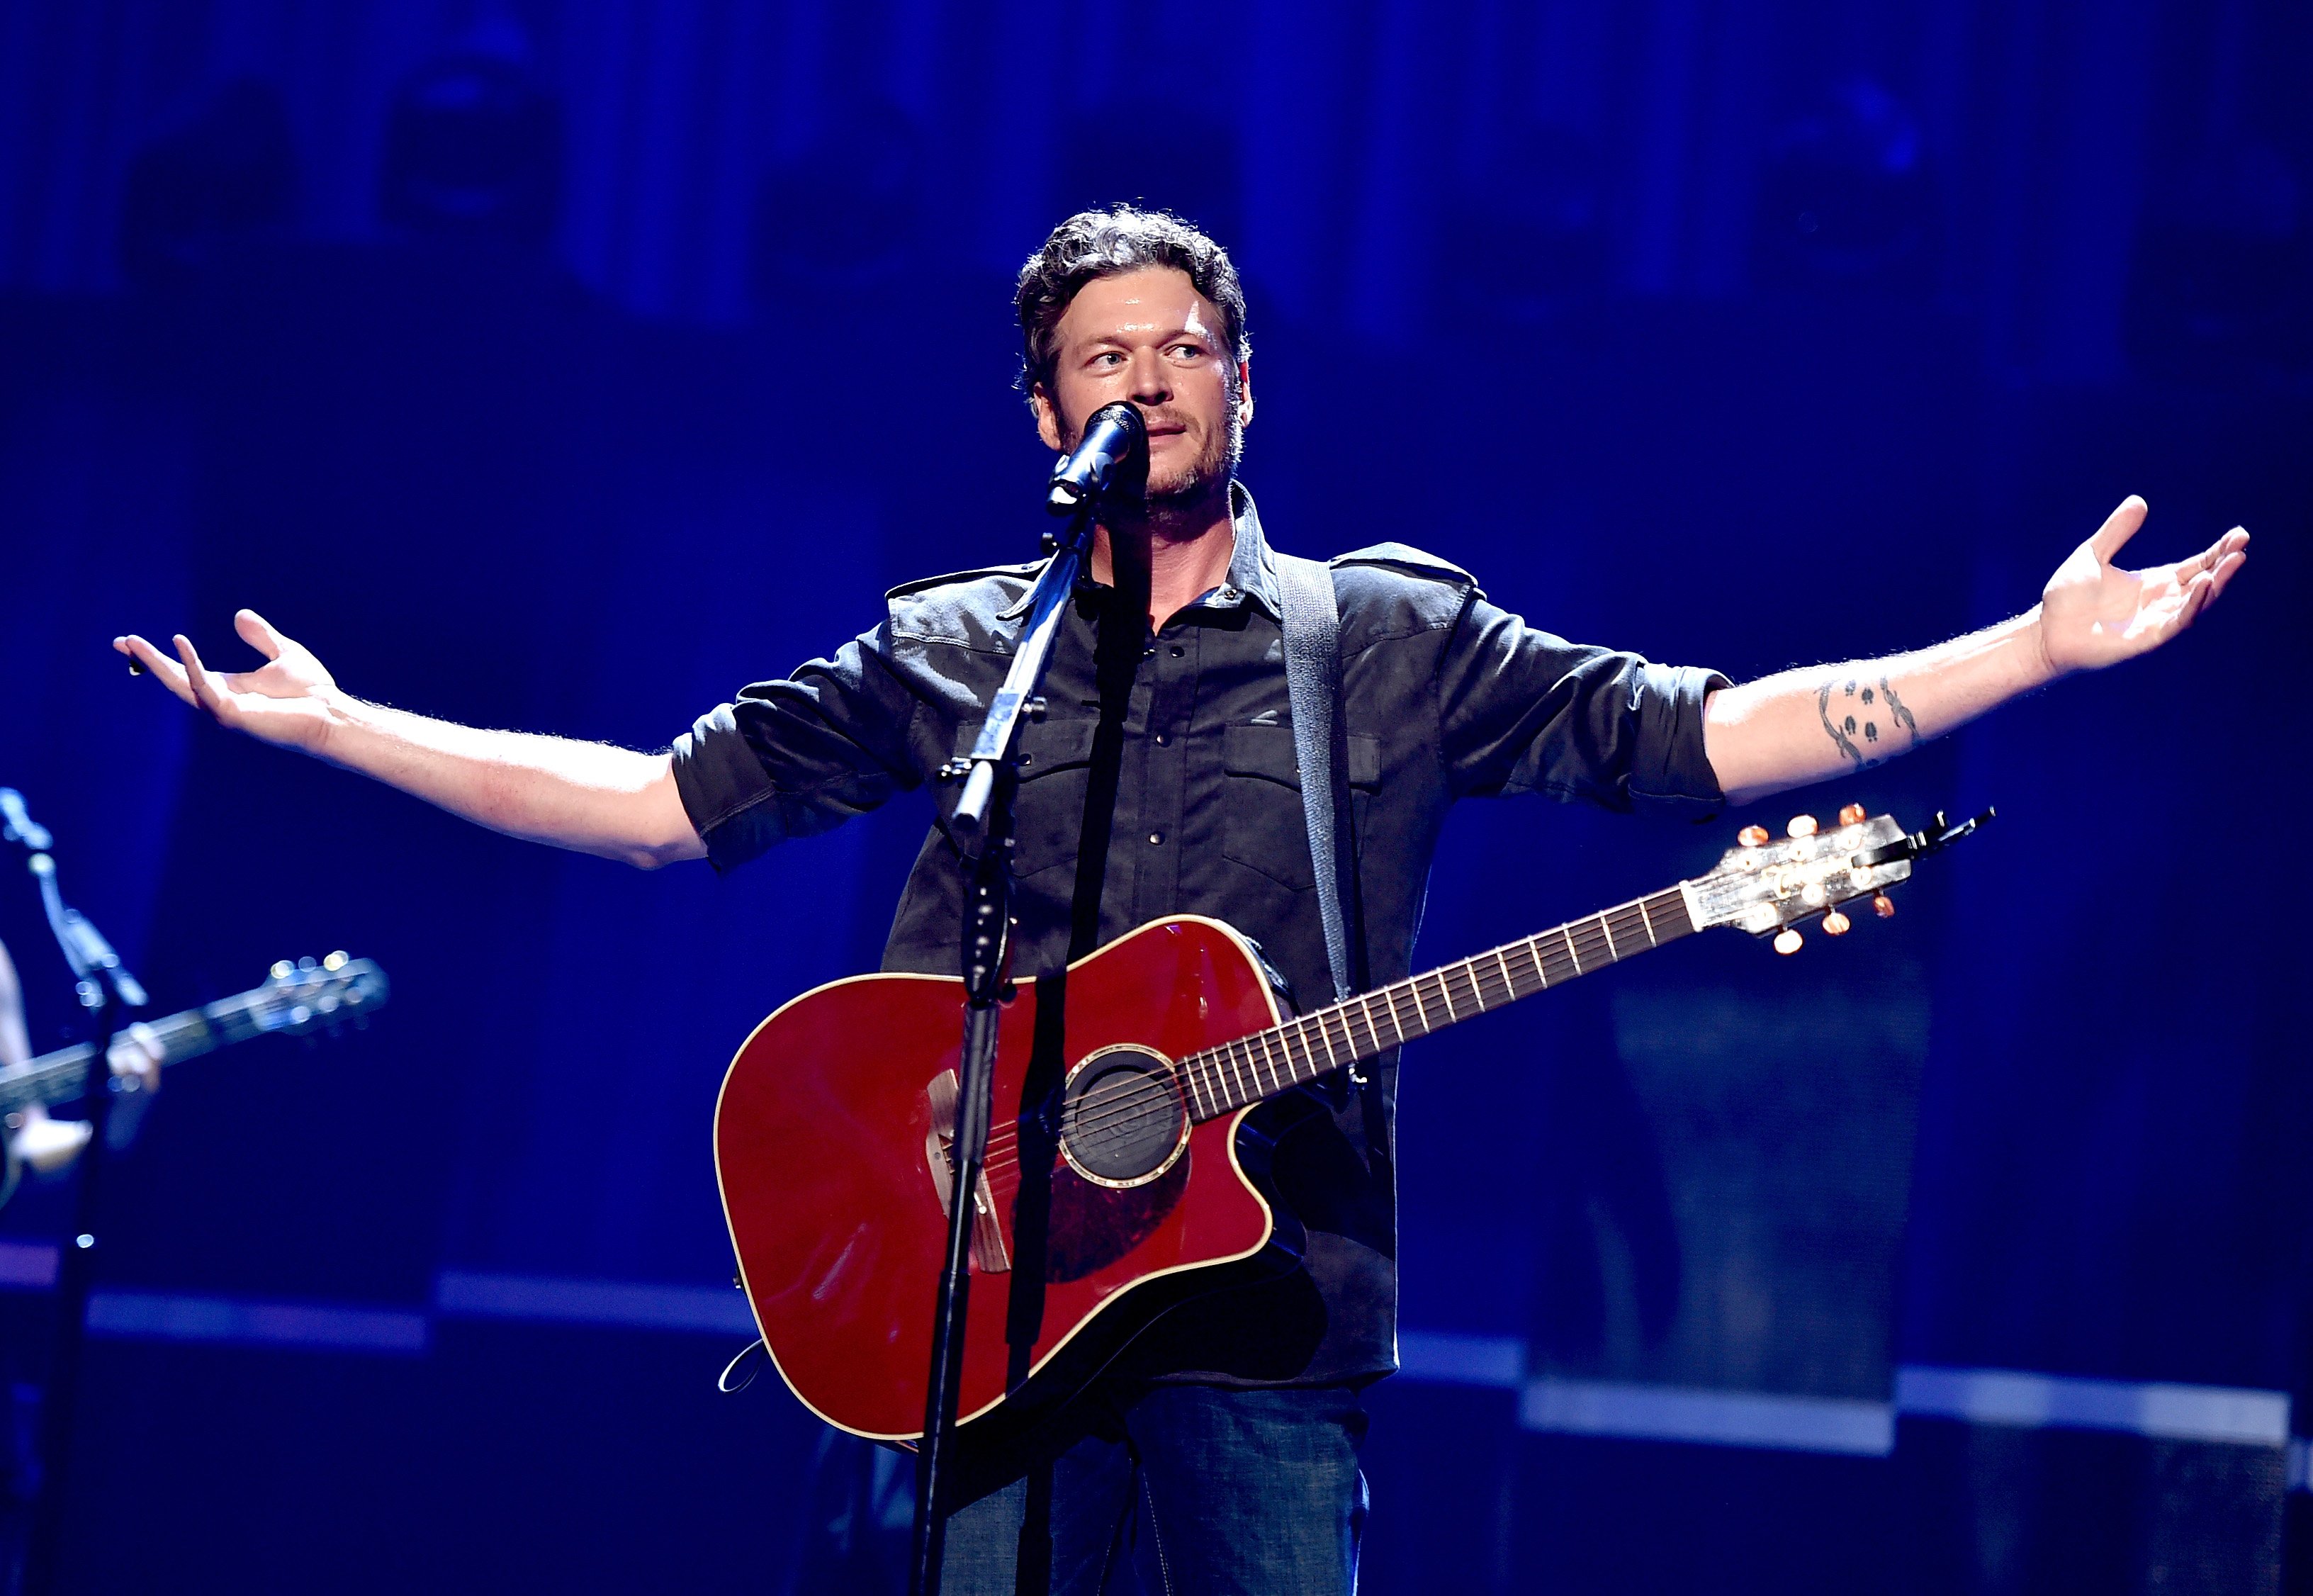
[[1251, 571]]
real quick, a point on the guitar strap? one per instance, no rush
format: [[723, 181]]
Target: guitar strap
[[1313, 683]]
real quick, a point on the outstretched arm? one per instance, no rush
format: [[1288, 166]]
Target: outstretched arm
[[1810, 723], [588, 797]]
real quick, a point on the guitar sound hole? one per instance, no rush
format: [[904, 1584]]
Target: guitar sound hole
[[1122, 1118]]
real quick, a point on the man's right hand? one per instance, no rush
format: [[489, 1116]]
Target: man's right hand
[[287, 700], [612, 802]]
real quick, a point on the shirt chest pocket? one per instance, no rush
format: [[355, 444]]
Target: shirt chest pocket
[[1049, 814], [1262, 826]]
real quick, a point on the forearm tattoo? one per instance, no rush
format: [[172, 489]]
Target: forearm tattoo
[[1852, 710]]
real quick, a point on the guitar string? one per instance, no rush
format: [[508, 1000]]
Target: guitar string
[[225, 1017], [170, 1028], [1145, 1090], [1488, 990]]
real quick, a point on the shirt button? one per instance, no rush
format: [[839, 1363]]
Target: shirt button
[[1163, 739], [1178, 651], [1157, 837]]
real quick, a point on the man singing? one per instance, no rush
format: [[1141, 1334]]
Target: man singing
[[1164, 782]]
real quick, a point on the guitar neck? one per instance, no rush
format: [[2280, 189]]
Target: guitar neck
[[1222, 1079], [61, 1076]]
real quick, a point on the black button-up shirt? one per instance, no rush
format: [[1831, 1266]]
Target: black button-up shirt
[[1164, 781]]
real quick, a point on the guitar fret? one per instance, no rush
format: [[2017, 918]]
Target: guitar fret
[[1252, 1068]]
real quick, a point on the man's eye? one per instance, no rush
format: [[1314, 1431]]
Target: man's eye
[[1189, 351]]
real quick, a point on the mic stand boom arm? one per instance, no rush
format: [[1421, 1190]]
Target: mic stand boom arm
[[981, 826]]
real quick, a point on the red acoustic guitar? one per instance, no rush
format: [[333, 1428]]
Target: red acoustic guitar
[[1115, 1132]]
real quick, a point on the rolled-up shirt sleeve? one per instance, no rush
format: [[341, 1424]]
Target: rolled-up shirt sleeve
[[794, 757], [1521, 711]]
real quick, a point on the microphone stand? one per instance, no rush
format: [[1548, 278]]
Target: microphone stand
[[983, 826], [108, 993]]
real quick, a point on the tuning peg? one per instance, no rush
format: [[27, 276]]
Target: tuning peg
[[1788, 940], [282, 970], [1752, 836], [1802, 826], [1836, 924], [1883, 907], [336, 961], [1852, 815]]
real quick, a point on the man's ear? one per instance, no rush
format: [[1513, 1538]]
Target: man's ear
[[1245, 394], [1048, 418]]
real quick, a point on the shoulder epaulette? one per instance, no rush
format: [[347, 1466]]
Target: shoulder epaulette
[[1404, 557], [957, 579]]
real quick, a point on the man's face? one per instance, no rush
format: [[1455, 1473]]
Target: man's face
[[1149, 337]]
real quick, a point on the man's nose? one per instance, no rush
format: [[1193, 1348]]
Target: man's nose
[[1151, 382]]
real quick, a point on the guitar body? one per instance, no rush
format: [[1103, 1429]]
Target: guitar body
[[827, 1140], [1106, 1202]]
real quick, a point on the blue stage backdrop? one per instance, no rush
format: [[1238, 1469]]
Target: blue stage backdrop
[[532, 363]]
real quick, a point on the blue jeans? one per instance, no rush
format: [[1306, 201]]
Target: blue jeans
[[1191, 1491]]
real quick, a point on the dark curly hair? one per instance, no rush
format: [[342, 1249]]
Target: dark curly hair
[[1097, 243]]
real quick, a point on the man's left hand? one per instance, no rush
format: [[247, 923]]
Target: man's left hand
[[2093, 613]]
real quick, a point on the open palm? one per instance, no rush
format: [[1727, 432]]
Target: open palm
[[286, 700], [2093, 613]]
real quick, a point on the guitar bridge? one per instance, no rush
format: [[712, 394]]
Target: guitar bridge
[[989, 1254]]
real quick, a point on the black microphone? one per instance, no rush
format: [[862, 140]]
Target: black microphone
[[16, 825], [1113, 450]]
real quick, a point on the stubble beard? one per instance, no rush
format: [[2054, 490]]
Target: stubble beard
[[1185, 501]]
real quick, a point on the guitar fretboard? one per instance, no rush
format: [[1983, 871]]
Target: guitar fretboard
[[61, 1076], [1222, 1079]]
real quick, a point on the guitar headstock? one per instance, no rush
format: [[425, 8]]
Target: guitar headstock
[[1766, 886], [309, 994]]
